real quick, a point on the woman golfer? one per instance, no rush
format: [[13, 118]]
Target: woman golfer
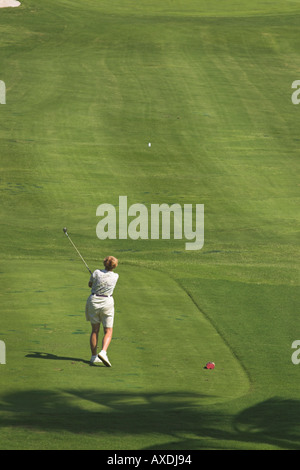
[[100, 307]]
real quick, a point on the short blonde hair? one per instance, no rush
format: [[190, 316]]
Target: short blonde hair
[[110, 263]]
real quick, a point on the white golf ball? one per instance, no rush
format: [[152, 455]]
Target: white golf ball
[[149, 145]]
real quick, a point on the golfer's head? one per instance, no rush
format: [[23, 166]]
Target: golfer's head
[[110, 263]]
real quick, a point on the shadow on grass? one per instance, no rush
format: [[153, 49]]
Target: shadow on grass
[[179, 417], [275, 421], [41, 355]]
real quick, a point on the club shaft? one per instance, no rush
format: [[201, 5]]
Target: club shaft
[[79, 253]]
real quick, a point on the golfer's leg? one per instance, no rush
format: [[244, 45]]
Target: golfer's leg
[[107, 338], [94, 338]]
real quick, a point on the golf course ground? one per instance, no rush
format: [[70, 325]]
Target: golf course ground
[[88, 85]]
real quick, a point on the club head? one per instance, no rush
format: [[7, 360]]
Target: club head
[[65, 230]]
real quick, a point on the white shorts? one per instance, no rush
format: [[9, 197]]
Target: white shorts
[[100, 310]]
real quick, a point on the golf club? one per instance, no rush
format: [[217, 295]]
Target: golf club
[[66, 232]]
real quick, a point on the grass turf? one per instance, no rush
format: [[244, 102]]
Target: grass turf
[[209, 85]]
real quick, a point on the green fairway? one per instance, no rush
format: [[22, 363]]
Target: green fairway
[[208, 84]]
